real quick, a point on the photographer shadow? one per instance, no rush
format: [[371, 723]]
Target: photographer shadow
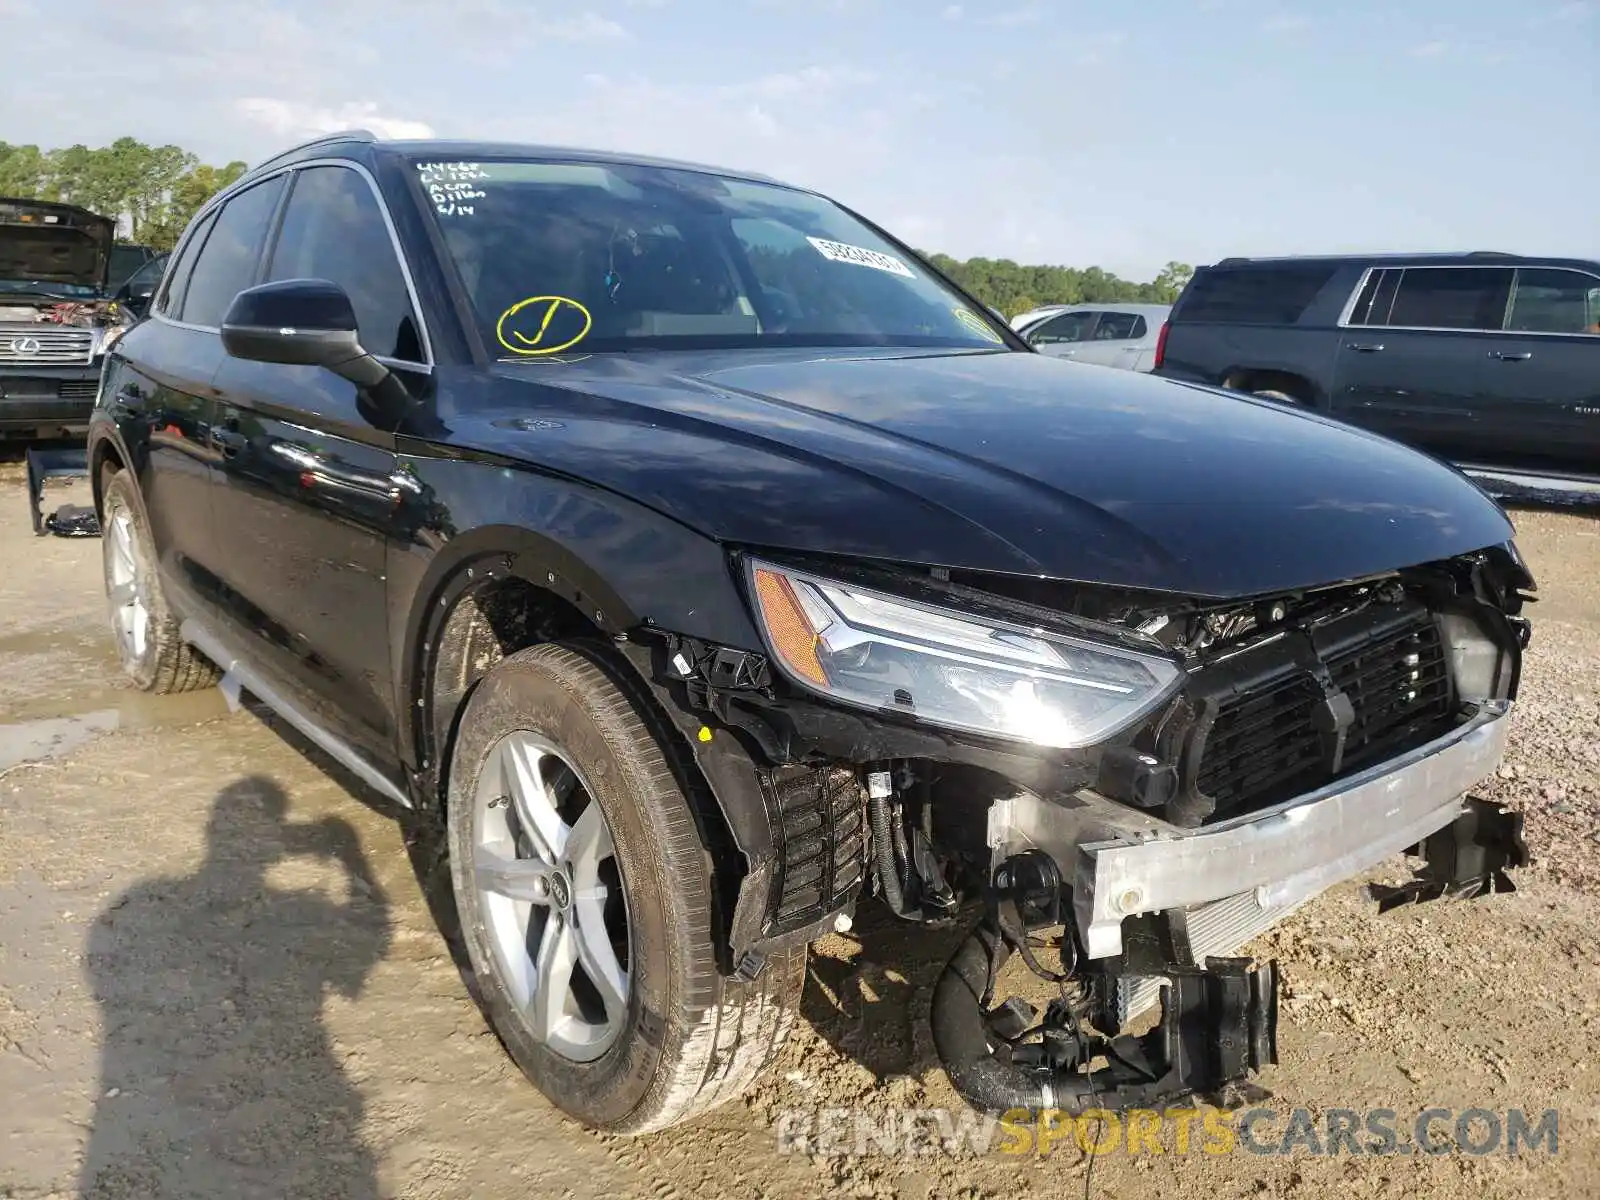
[[217, 1075]]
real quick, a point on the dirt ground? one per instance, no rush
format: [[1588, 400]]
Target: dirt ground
[[220, 973]]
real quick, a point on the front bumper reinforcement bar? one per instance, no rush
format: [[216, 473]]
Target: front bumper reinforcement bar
[[1289, 853]]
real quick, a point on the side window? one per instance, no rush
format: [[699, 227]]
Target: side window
[[227, 262], [171, 298], [1258, 295], [1555, 301], [1068, 327], [333, 229], [1116, 327], [1140, 329], [1451, 298]]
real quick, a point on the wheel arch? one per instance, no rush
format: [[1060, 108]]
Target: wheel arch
[[486, 593], [1293, 382], [503, 589], [104, 452]]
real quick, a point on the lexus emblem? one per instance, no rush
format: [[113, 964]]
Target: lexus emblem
[[24, 346]]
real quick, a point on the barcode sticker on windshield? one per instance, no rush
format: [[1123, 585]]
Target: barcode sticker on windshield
[[862, 257]]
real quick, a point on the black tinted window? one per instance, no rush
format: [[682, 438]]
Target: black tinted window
[[1068, 327], [125, 260], [1451, 298], [227, 262], [171, 300], [1253, 295], [1555, 301], [1116, 327], [334, 230]]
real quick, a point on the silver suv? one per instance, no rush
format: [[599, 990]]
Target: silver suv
[[1108, 335]]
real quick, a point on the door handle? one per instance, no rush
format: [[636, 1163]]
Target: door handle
[[1504, 356], [1364, 347]]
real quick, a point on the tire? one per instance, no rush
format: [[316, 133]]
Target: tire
[[678, 1038], [149, 647]]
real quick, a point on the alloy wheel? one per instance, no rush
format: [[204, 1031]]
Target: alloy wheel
[[551, 893], [130, 609]]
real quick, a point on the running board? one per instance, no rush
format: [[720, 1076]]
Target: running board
[[1511, 484], [238, 675]]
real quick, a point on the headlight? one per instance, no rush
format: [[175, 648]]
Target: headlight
[[866, 648]]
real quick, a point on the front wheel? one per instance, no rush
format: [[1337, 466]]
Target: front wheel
[[585, 897]]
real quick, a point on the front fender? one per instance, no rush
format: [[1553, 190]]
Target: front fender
[[619, 563]]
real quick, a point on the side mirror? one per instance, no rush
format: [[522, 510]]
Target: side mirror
[[300, 322]]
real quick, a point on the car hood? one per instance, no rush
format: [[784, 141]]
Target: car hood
[[42, 242], [1005, 462]]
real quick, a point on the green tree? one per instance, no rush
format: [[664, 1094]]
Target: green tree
[[186, 198], [1172, 280], [23, 170], [151, 191], [1013, 289]]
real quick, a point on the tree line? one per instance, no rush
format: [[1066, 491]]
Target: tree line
[[153, 191], [1014, 288]]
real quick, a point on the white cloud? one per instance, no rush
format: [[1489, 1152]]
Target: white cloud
[[952, 12], [288, 119], [1431, 49]]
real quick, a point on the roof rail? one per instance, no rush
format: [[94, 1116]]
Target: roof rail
[[343, 135]]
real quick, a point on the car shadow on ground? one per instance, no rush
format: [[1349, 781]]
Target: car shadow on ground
[[218, 1077]]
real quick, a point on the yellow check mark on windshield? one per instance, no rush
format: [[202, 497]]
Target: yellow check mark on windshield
[[514, 340], [545, 324]]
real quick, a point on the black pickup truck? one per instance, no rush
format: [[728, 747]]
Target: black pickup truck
[[1489, 360]]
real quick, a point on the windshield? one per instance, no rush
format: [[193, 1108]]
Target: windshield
[[49, 287], [581, 257]]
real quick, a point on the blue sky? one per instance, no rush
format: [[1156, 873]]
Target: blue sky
[[1122, 135]]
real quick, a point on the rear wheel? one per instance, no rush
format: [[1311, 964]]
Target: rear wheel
[[1280, 397], [585, 897], [149, 647]]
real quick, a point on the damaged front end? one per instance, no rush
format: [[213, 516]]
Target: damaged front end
[[1157, 779]]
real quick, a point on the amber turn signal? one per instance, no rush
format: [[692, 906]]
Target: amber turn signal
[[792, 634]]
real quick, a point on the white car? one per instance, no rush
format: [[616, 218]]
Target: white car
[[1107, 335]]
